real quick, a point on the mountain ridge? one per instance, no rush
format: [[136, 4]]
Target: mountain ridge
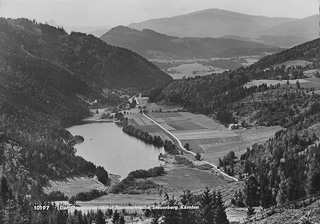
[[189, 25], [152, 44], [217, 23]]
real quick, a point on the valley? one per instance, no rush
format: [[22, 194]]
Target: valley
[[213, 109]]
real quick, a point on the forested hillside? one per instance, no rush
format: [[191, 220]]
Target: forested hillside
[[285, 167], [48, 80], [153, 45], [213, 95], [308, 51]]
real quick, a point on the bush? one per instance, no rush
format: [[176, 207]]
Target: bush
[[198, 156], [56, 196], [184, 161], [102, 175], [152, 172], [87, 196]]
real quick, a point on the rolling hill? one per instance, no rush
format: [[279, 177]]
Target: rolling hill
[[211, 23], [154, 45], [281, 32], [307, 28]]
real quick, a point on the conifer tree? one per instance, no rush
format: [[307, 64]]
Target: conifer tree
[[171, 216], [220, 215], [187, 216], [251, 191], [115, 216], [206, 207], [100, 217]]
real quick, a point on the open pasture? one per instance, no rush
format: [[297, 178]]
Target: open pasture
[[276, 82], [313, 83], [302, 63], [184, 125], [205, 134], [72, 185], [188, 179], [247, 138], [311, 73], [163, 107], [164, 115], [194, 145], [202, 121]]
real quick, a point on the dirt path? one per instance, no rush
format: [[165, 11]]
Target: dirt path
[[184, 149]]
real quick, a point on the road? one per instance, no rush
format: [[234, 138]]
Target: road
[[184, 149]]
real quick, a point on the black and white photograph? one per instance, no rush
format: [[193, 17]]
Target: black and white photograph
[[159, 111]]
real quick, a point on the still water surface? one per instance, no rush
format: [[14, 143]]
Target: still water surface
[[106, 145]]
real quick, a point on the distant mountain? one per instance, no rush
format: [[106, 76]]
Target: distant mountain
[[96, 31], [307, 28], [153, 45], [212, 23]]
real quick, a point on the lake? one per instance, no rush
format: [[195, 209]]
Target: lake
[[106, 145]]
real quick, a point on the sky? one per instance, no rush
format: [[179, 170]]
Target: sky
[[80, 13]]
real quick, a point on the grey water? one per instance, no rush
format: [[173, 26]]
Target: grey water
[[106, 145]]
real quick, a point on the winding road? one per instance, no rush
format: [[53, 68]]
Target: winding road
[[183, 148]]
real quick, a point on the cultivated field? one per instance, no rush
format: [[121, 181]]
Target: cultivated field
[[208, 137], [195, 129], [247, 138]]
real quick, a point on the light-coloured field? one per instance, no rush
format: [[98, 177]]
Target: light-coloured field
[[311, 72], [248, 137], [312, 83], [191, 68], [207, 134], [275, 82], [182, 179], [73, 185], [290, 63], [199, 131]]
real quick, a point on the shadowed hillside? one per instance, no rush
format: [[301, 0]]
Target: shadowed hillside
[[151, 44], [48, 80]]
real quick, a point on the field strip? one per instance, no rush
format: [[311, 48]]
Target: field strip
[[168, 127], [139, 121], [195, 134], [181, 146]]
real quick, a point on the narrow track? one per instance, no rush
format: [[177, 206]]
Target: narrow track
[[184, 149]]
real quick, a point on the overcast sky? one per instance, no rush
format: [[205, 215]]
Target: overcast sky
[[123, 12]]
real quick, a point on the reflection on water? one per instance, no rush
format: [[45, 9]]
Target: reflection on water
[[106, 145]]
